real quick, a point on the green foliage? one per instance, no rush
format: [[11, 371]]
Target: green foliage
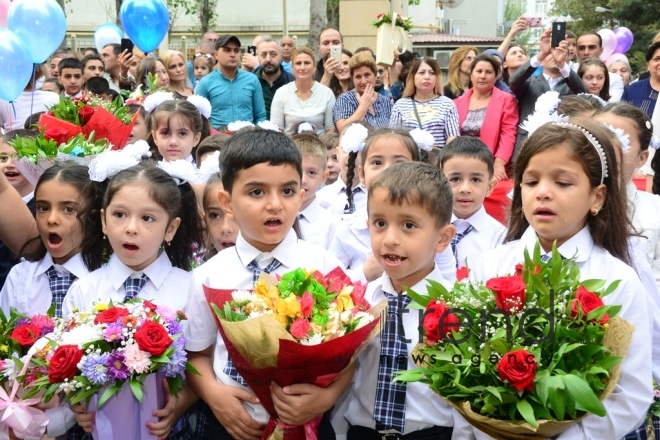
[[572, 366]]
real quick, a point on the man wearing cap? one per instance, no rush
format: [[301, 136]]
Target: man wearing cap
[[235, 94]]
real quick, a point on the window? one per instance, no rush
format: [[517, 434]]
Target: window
[[541, 7]]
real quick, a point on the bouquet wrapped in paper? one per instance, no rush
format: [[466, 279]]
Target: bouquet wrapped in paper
[[18, 334], [523, 356], [114, 358], [391, 36], [300, 328]]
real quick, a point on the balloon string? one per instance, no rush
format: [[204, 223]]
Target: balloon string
[[11, 104], [34, 84]]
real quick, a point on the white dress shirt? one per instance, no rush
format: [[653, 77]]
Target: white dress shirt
[[288, 111], [627, 406], [644, 209], [27, 287], [424, 408], [333, 197], [228, 270], [317, 224], [352, 245], [487, 234], [166, 285]]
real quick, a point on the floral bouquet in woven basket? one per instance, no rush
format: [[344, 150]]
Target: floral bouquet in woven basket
[[391, 36], [523, 356], [303, 327], [114, 358]]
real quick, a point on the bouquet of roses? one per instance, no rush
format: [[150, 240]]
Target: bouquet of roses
[[301, 328], [114, 357], [523, 356], [386, 18], [18, 333]]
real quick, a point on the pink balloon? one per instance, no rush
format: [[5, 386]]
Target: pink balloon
[[4, 9], [609, 43]]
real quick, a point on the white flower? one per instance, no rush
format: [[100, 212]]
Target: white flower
[[242, 296], [203, 105], [423, 139], [82, 335], [547, 102], [621, 136], [305, 126], [316, 339], [209, 167], [180, 170], [353, 139], [155, 99], [364, 319], [237, 125], [269, 125]]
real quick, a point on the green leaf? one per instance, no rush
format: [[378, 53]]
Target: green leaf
[[494, 392], [525, 409], [136, 388], [557, 401], [108, 394], [583, 395], [609, 362], [416, 297]]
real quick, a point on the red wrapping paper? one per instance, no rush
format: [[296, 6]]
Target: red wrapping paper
[[296, 363]]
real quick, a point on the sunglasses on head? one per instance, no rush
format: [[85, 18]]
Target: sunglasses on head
[[203, 55]]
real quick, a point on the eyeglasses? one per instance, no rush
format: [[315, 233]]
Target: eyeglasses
[[207, 55], [5, 157]]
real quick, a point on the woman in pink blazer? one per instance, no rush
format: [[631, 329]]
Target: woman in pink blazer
[[488, 113]]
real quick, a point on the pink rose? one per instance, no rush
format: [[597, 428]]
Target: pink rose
[[300, 328], [306, 304]]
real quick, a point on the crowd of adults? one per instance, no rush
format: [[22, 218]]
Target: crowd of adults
[[486, 95]]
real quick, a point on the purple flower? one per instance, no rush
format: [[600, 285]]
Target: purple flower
[[116, 366], [23, 321], [178, 361], [94, 368], [113, 333], [174, 328]]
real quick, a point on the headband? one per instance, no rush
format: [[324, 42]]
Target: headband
[[593, 141]]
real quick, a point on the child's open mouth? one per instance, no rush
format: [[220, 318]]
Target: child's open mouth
[[131, 248], [54, 240], [393, 260], [273, 224], [227, 244], [11, 174]]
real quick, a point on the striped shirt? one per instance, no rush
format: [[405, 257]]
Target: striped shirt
[[347, 104], [439, 117]]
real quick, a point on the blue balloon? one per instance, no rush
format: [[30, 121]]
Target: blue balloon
[[146, 22], [39, 24], [15, 65]]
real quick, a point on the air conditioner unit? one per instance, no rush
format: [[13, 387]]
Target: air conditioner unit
[[442, 57], [447, 27], [500, 30]]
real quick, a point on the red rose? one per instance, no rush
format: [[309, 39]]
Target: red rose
[[462, 273], [26, 335], [434, 310], [520, 268], [519, 368], [153, 338], [509, 292], [150, 305], [85, 114], [59, 135], [64, 363], [588, 301], [110, 316]]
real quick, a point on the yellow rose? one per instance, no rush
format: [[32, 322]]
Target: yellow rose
[[288, 306], [270, 293], [100, 307], [4, 349], [344, 301]]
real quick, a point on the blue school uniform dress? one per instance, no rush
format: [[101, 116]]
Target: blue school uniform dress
[[627, 406]]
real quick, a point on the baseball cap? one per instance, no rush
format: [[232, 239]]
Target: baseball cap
[[226, 38]]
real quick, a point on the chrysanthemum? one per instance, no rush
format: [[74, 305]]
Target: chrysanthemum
[[116, 366], [113, 333], [136, 360], [94, 368]]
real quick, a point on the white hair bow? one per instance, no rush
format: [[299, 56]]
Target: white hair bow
[[155, 99], [423, 139], [111, 162], [353, 138]]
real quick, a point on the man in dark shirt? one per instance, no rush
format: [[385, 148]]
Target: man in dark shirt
[[271, 74]]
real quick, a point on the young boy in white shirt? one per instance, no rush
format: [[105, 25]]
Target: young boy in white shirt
[[468, 164], [409, 208], [262, 192], [317, 224]]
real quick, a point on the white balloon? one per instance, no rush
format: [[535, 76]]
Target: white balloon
[[106, 34]]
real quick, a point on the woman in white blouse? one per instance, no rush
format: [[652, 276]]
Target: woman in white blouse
[[303, 100]]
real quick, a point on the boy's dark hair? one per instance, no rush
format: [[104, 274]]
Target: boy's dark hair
[[417, 183], [248, 148], [466, 146], [31, 123], [69, 63], [113, 94], [574, 105], [97, 85], [116, 48], [211, 144], [55, 81], [177, 200], [71, 174], [19, 132], [89, 58]]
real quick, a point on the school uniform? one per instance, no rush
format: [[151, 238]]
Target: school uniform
[[333, 198], [317, 224], [32, 287], [627, 406], [370, 414], [238, 268], [474, 235], [161, 282], [643, 209], [352, 245]]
